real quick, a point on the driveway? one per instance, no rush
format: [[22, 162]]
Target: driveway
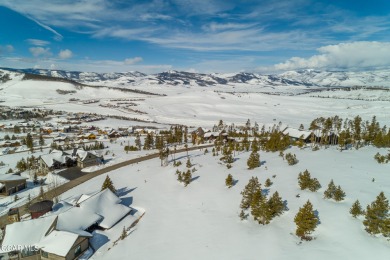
[[72, 173]]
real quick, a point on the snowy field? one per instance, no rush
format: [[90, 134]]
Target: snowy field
[[201, 221]]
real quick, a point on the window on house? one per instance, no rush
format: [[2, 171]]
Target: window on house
[[77, 250]]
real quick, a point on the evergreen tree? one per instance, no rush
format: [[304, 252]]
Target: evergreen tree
[[253, 160], [229, 181], [243, 215], [268, 183], [247, 194], [41, 140], [260, 209], [276, 205], [356, 209], [329, 193], [291, 159], [187, 178], [314, 185], [138, 142], [188, 163], [41, 195], [339, 194], [304, 179], [124, 234], [107, 184], [306, 221], [377, 218], [29, 141]]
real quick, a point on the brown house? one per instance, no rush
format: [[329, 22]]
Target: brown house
[[10, 183], [87, 159]]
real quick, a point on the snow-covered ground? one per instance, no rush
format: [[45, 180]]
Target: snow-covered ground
[[201, 221]]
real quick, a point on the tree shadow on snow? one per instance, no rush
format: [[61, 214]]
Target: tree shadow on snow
[[124, 191], [262, 162], [317, 214], [195, 178], [235, 182], [285, 205], [265, 192], [127, 201]]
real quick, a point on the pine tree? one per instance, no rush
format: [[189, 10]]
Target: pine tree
[[138, 142], [247, 194], [187, 178], [306, 221], [259, 208], [329, 193], [339, 194], [377, 218], [188, 163], [253, 160], [124, 234], [107, 184], [356, 209], [229, 181], [41, 195], [304, 180], [268, 183], [41, 140], [243, 215], [314, 185], [276, 205]]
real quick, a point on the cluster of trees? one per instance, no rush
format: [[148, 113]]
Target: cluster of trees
[[29, 163], [376, 217], [184, 177], [262, 209], [306, 182], [333, 192], [382, 158], [7, 137], [354, 132], [95, 146]]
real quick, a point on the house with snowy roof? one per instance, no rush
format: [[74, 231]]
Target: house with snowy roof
[[55, 160], [298, 134], [65, 232], [87, 158], [11, 183]]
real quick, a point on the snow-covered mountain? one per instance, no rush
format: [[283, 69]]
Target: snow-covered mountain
[[306, 78]]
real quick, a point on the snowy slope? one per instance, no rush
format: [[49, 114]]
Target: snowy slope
[[201, 221]]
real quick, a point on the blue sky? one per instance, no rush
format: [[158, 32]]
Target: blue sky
[[195, 35]]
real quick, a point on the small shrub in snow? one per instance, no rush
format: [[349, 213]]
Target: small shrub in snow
[[268, 183], [291, 159], [229, 181]]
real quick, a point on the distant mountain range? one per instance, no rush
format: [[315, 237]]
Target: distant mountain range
[[307, 78]]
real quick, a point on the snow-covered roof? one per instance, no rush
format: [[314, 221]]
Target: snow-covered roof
[[296, 133], [28, 232], [209, 134], [77, 220], [55, 155], [107, 205], [11, 177], [58, 242]]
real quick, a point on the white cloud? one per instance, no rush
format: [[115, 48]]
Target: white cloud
[[40, 52], [37, 42], [65, 54], [6, 48], [353, 55], [131, 61]]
